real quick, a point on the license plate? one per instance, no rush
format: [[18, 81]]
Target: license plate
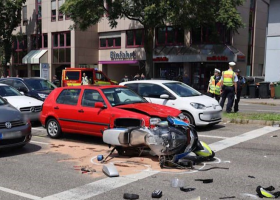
[[10, 135], [215, 116]]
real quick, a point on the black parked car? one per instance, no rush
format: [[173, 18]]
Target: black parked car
[[38, 88]]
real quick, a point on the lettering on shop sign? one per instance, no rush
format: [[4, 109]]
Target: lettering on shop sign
[[122, 55], [157, 59], [217, 58]]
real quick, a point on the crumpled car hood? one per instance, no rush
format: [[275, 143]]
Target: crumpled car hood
[[151, 109]]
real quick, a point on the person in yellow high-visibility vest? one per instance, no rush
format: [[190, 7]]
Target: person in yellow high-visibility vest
[[214, 87], [228, 87]]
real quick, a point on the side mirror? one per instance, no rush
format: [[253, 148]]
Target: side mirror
[[99, 105], [21, 93], [164, 96]]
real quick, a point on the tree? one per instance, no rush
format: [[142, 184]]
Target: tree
[[155, 13], [10, 18]]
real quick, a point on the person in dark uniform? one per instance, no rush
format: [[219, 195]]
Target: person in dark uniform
[[240, 82], [125, 79], [55, 81], [228, 87]]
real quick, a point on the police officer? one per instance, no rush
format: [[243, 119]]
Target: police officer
[[240, 82], [214, 87], [228, 87]]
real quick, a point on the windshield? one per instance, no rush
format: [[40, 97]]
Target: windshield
[[2, 102], [182, 89], [7, 91], [122, 96], [39, 84]]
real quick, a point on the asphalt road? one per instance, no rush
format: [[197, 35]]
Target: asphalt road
[[31, 173]]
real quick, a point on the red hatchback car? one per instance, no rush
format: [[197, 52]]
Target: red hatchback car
[[92, 109]]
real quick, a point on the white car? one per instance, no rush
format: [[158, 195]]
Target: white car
[[200, 109], [28, 106]]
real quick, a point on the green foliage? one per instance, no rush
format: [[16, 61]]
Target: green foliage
[[154, 13], [10, 18]]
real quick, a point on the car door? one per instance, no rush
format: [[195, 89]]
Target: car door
[[66, 109], [100, 79], [152, 93], [94, 120]]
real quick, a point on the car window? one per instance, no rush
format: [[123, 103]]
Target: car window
[[6, 91], [152, 90], [90, 97], [100, 77], [40, 84], [72, 75], [89, 75], [132, 86], [8, 82], [122, 96], [18, 84], [2, 102], [69, 97], [182, 89]]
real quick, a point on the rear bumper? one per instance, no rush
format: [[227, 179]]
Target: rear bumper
[[14, 137]]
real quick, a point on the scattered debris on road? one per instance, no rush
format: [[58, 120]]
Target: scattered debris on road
[[184, 189], [157, 194], [251, 177], [267, 192], [110, 170], [232, 197], [205, 180], [130, 196]]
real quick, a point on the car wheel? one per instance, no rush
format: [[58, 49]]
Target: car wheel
[[189, 117], [53, 128]]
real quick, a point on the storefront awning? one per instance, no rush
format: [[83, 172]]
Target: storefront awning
[[33, 57], [200, 53], [118, 62]]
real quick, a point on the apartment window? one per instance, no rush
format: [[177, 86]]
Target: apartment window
[[24, 15], [20, 50], [135, 38], [61, 47], [110, 42], [53, 12], [60, 15], [39, 41], [170, 36], [218, 34]]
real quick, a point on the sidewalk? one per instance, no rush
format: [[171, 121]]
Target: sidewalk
[[261, 101]]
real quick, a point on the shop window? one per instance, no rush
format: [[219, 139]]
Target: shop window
[[53, 11], [24, 16], [135, 38], [62, 55], [61, 47], [110, 42], [169, 36]]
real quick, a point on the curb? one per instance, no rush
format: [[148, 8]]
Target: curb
[[247, 121]]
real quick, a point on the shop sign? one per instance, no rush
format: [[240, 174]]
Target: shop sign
[[241, 58], [122, 55], [217, 58], [45, 71], [160, 59]]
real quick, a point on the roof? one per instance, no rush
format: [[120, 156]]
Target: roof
[[93, 86], [152, 81], [85, 69]]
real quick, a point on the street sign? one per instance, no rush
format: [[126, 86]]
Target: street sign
[[45, 71]]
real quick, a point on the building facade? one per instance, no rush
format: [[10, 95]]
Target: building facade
[[272, 61], [120, 51], [47, 39]]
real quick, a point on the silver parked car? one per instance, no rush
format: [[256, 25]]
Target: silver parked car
[[15, 131]]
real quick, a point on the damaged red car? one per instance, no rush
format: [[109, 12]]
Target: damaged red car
[[93, 109]]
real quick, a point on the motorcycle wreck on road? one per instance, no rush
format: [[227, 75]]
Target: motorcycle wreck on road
[[174, 141]]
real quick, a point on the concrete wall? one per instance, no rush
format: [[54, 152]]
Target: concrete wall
[[272, 65]]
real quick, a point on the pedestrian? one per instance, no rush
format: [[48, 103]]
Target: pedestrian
[[142, 77], [228, 87], [136, 77], [84, 80], [240, 82], [214, 87], [17, 76], [125, 79], [186, 79], [55, 81]]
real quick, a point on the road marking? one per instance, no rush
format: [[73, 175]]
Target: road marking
[[98, 187], [39, 129], [223, 144], [213, 136], [21, 194], [36, 142], [108, 184]]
